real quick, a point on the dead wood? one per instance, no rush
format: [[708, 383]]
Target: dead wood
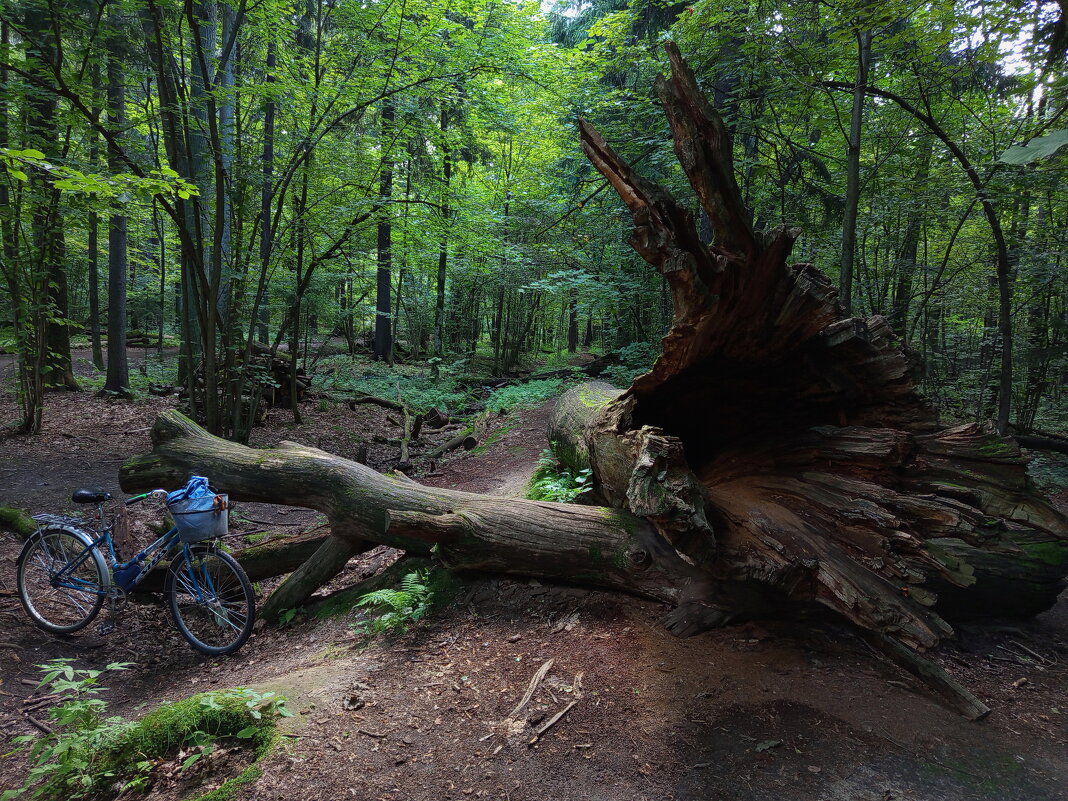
[[776, 454], [780, 445], [931, 674]]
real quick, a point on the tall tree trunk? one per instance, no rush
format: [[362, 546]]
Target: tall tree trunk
[[266, 191], [852, 198], [226, 153], [572, 323], [383, 344], [94, 236], [49, 241], [443, 245], [118, 375], [906, 259]]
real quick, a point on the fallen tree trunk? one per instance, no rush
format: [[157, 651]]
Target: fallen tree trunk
[[267, 560], [606, 547]]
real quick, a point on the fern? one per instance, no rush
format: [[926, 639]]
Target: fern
[[397, 608], [552, 481], [523, 396]]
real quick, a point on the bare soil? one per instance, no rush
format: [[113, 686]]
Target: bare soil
[[797, 709]]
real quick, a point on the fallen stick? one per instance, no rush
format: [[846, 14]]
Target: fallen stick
[[42, 726], [1043, 659], [385, 403], [451, 444], [931, 674], [531, 689], [551, 722]]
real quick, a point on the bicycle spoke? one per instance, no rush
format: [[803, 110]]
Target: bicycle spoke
[[210, 601]]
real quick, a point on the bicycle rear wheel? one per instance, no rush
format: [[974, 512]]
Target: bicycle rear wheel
[[211, 600], [61, 580]]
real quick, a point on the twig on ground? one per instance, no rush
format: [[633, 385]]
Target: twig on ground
[[531, 689], [38, 724], [1044, 659], [550, 723]]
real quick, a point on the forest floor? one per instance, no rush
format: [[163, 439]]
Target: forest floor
[[796, 709]]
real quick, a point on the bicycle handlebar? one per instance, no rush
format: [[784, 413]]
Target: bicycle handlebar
[[156, 493]]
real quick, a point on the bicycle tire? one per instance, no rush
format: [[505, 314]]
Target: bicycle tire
[[68, 607], [211, 600]]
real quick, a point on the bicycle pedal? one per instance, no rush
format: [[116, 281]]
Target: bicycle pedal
[[105, 628]]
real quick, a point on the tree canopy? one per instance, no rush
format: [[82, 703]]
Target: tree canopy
[[406, 179]]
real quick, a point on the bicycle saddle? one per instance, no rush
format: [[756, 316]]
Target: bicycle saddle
[[90, 496]]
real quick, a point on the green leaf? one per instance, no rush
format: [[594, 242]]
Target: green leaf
[[190, 760], [1041, 147]]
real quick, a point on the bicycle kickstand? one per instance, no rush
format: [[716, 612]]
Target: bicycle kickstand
[[105, 627]]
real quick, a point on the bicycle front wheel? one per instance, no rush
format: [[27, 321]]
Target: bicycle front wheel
[[211, 600], [61, 580]]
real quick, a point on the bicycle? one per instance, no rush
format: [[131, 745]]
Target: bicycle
[[68, 569]]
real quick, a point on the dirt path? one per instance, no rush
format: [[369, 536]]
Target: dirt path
[[778, 709], [503, 467]]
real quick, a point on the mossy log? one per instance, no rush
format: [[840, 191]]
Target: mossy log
[[266, 560], [593, 545]]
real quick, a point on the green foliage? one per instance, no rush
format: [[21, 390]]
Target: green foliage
[[119, 187], [634, 359], [67, 763], [397, 609], [17, 520], [286, 616], [552, 481], [1049, 470], [523, 396], [416, 387], [1041, 147], [90, 751]]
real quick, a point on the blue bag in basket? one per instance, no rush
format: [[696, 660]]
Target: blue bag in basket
[[199, 513]]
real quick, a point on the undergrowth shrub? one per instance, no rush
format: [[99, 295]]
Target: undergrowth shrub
[[634, 359], [1049, 471], [92, 755], [552, 481], [416, 387]]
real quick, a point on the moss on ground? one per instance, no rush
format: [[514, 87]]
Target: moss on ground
[[229, 713], [14, 519]]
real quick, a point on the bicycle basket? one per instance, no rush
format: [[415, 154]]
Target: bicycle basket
[[203, 518]]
